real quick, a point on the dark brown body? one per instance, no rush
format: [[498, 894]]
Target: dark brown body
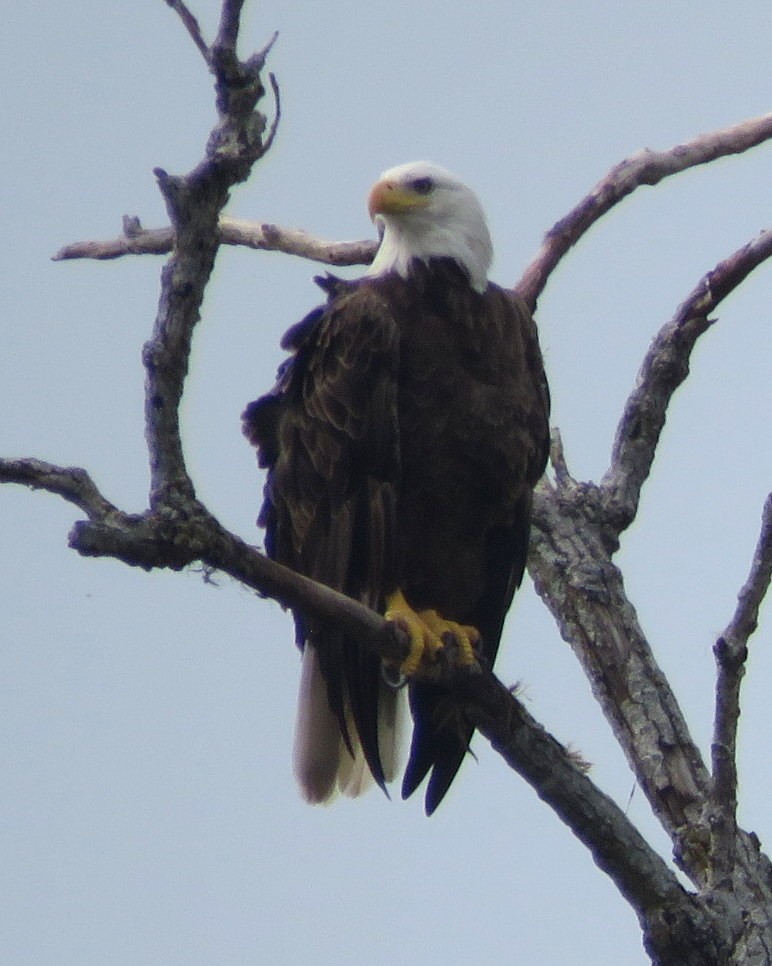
[[403, 441]]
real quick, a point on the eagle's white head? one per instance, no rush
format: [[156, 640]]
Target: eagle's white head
[[426, 212]]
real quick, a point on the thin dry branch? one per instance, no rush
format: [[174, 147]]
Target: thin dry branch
[[70, 482], [745, 619], [647, 167], [263, 236], [191, 25], [731, 652]]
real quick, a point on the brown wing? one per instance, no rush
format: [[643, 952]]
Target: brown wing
[[512, 405], [328, 435]]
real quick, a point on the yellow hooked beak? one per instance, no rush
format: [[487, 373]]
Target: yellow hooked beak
[[390, 198]]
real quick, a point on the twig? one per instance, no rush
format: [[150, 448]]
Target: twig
[[644, 168], [191, 25], [277, 112], [750, 598], [558, 457], [731, 652], [70, 482]]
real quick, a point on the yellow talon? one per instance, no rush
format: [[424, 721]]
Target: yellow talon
[[468, 637], [424, 643], [427, 632]]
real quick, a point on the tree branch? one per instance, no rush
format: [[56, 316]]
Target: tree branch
[[191, 25], [195, 202], [595, 819], [647, 167], [175, 538], [664, 368], [72, 483], [576, 532], [571, 566], [263, 236], [731, 652], [745, 619], [230, 20]]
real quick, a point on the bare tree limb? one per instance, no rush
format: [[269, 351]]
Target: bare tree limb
[[731, 652], [264, 236], [230, 19], [195, 202], [178, 537], [72, 483], [664, 368], [646, 167], [571, 566], [173, 538], [577, 531], [191, 25]]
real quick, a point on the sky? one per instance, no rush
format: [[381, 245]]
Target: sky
[[147, 809]]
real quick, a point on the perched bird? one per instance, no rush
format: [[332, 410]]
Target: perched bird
[[402, 442]]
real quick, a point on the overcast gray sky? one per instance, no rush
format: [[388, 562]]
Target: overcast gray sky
[[148, 812]]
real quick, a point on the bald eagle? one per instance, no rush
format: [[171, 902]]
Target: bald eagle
[[402, 442]]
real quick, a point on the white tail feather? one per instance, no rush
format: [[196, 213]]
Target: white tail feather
[[392, 721], [354, 776], [321, 758], [316, 755]]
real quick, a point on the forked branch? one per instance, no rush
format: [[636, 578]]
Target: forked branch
[[576, 532]]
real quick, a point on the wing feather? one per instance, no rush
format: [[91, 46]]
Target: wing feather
[[328, 435], [441, 734]]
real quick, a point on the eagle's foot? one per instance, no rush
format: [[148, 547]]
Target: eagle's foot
[[429, 634], [464, 637]]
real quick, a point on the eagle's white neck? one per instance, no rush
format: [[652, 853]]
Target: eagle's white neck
[[399, 247], [450, 225]]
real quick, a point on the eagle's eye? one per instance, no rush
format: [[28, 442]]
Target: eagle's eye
[[422, 186]]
